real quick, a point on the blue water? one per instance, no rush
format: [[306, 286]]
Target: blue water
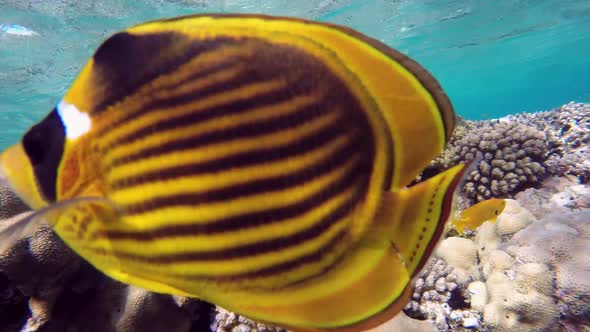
[[492, 57]]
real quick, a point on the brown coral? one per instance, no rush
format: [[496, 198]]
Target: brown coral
[[509, 157], [519, 151]]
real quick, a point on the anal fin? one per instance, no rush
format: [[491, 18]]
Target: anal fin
[[413, 219]]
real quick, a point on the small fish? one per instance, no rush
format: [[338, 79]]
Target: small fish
[[473, 217], [259, 163]]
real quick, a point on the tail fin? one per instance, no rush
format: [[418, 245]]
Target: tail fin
[[460, 225], [415, 217]]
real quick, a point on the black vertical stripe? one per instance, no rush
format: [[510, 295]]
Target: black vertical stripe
[[44, 146], [243, 80], [126, 61]]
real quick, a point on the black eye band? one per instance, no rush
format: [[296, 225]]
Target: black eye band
[[44, 145]]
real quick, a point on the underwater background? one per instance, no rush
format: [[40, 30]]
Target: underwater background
[[492, 58], [510, 68]]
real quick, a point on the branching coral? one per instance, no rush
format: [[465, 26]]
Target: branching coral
[[517, 152], [509, 157], [226, 321], [433, 290], [570, 125]]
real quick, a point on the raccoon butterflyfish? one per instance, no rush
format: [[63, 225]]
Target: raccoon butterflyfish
[[474, 216], [259, 163]]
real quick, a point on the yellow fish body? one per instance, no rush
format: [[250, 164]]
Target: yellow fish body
[[474, 216], [255, 162]]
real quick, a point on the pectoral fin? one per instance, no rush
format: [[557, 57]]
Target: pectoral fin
[[20, 228]]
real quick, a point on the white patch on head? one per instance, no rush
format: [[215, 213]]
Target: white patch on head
[[75, 122]]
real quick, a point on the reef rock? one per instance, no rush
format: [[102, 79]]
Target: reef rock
[[45, 286]]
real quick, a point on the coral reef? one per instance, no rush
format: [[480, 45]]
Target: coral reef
[[508, 156], [538, 277], [402, 322], [461, 254], [432, 288], [555, 194], [570, 127], [518, 152], [558, 244], [534, 273], [441, 298]]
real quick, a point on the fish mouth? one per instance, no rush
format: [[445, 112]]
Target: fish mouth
[[3, 177], [3, 156]]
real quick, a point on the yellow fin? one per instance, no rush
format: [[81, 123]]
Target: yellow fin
[[407, 226], [81, 222], [367, 288], [459, 225], [414, 218]]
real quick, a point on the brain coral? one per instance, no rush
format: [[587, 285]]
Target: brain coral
[[536, 271], [561, 240]]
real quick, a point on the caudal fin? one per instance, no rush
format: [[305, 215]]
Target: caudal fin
[[415, 217], [459, 225]]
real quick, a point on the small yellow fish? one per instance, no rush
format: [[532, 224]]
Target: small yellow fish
[[259, 163], [479, 213]]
